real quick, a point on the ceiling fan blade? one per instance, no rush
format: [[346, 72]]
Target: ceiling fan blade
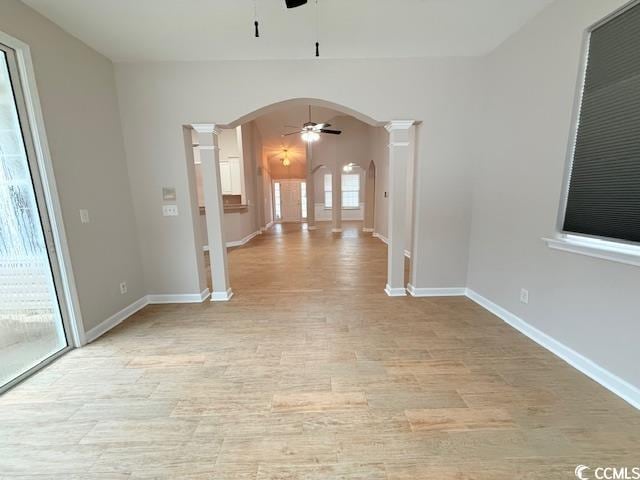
[[292, 133], [320, 126], [332, 132], [294, 3], [297, 127]]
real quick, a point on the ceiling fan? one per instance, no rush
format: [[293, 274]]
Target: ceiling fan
[[310, 131]]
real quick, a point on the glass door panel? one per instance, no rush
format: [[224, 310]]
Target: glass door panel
[[31, 326]]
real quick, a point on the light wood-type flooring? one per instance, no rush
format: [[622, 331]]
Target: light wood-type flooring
[[311, 372]]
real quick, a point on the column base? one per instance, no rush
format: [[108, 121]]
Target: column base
[[312, 227], [367, 230], [336, 230], [395, 292], [221, 296]]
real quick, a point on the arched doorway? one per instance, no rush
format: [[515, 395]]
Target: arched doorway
[[400, 145]]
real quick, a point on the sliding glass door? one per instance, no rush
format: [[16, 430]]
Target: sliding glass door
[[31, 317]]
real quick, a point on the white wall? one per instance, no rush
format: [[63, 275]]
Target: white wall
[[78, 97], [590, 305], [435, 91]]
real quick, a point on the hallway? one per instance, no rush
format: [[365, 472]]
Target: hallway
[[311, 372]]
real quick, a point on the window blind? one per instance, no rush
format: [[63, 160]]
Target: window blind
[[603, 197]]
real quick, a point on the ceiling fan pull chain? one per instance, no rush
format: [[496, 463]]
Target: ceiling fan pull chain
[[317, 31], [255, 18]]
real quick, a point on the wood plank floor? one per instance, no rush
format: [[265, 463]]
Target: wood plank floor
[[311, 372]]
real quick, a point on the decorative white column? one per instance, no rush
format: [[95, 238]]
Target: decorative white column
[[311, 188], [214, 209], [336, 198], [399, 156]]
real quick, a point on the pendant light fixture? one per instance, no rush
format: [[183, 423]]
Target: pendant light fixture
[[285, 160]]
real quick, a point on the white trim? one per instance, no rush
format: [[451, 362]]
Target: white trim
[[116, 319], [238, 243], [407, 253], [436, 292], [596, 248], [399, 125], [206, 128], [242, 241], [367, 230], [608, 380], [179, 297], [43, 156], [395, 292], [266, 227], [336, 230], [221, 296]]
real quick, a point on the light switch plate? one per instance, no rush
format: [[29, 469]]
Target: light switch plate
[[170, 210], [84, 215]]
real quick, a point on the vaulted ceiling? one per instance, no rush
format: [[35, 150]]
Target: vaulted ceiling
[[172, 30]]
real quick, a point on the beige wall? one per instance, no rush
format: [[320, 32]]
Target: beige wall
[[434, 91], [78, 97], [589, 305], [380, 157]]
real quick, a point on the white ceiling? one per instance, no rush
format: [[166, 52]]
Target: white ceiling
[[168, 30]]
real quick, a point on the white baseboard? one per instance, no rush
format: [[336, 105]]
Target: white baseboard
[[179, 298], [367, 230], [435, 292], [116, 319], [622, 388], [395, 292], [238, 243], [221, 296], [407, 253], [139, 304], [248, 238], [266, 227]]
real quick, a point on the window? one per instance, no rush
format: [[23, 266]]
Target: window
[[276, 203], [350, 190], [303, 198], [603, 192], [328, 191]]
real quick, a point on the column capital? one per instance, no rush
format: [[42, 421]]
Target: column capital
[[206, 128], [399, 125]]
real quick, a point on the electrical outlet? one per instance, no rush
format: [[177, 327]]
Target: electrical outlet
[[123, 288], [524, 295], [170, 210], [84, 216]]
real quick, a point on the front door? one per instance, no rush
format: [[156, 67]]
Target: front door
[[290, 201]]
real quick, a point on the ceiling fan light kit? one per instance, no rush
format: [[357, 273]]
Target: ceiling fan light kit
[[289, 4], [310, 131]]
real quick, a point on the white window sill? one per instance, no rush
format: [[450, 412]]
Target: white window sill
[[620, 253]]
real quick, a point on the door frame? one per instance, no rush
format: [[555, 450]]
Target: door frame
[[34, 120], [281, 181]]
